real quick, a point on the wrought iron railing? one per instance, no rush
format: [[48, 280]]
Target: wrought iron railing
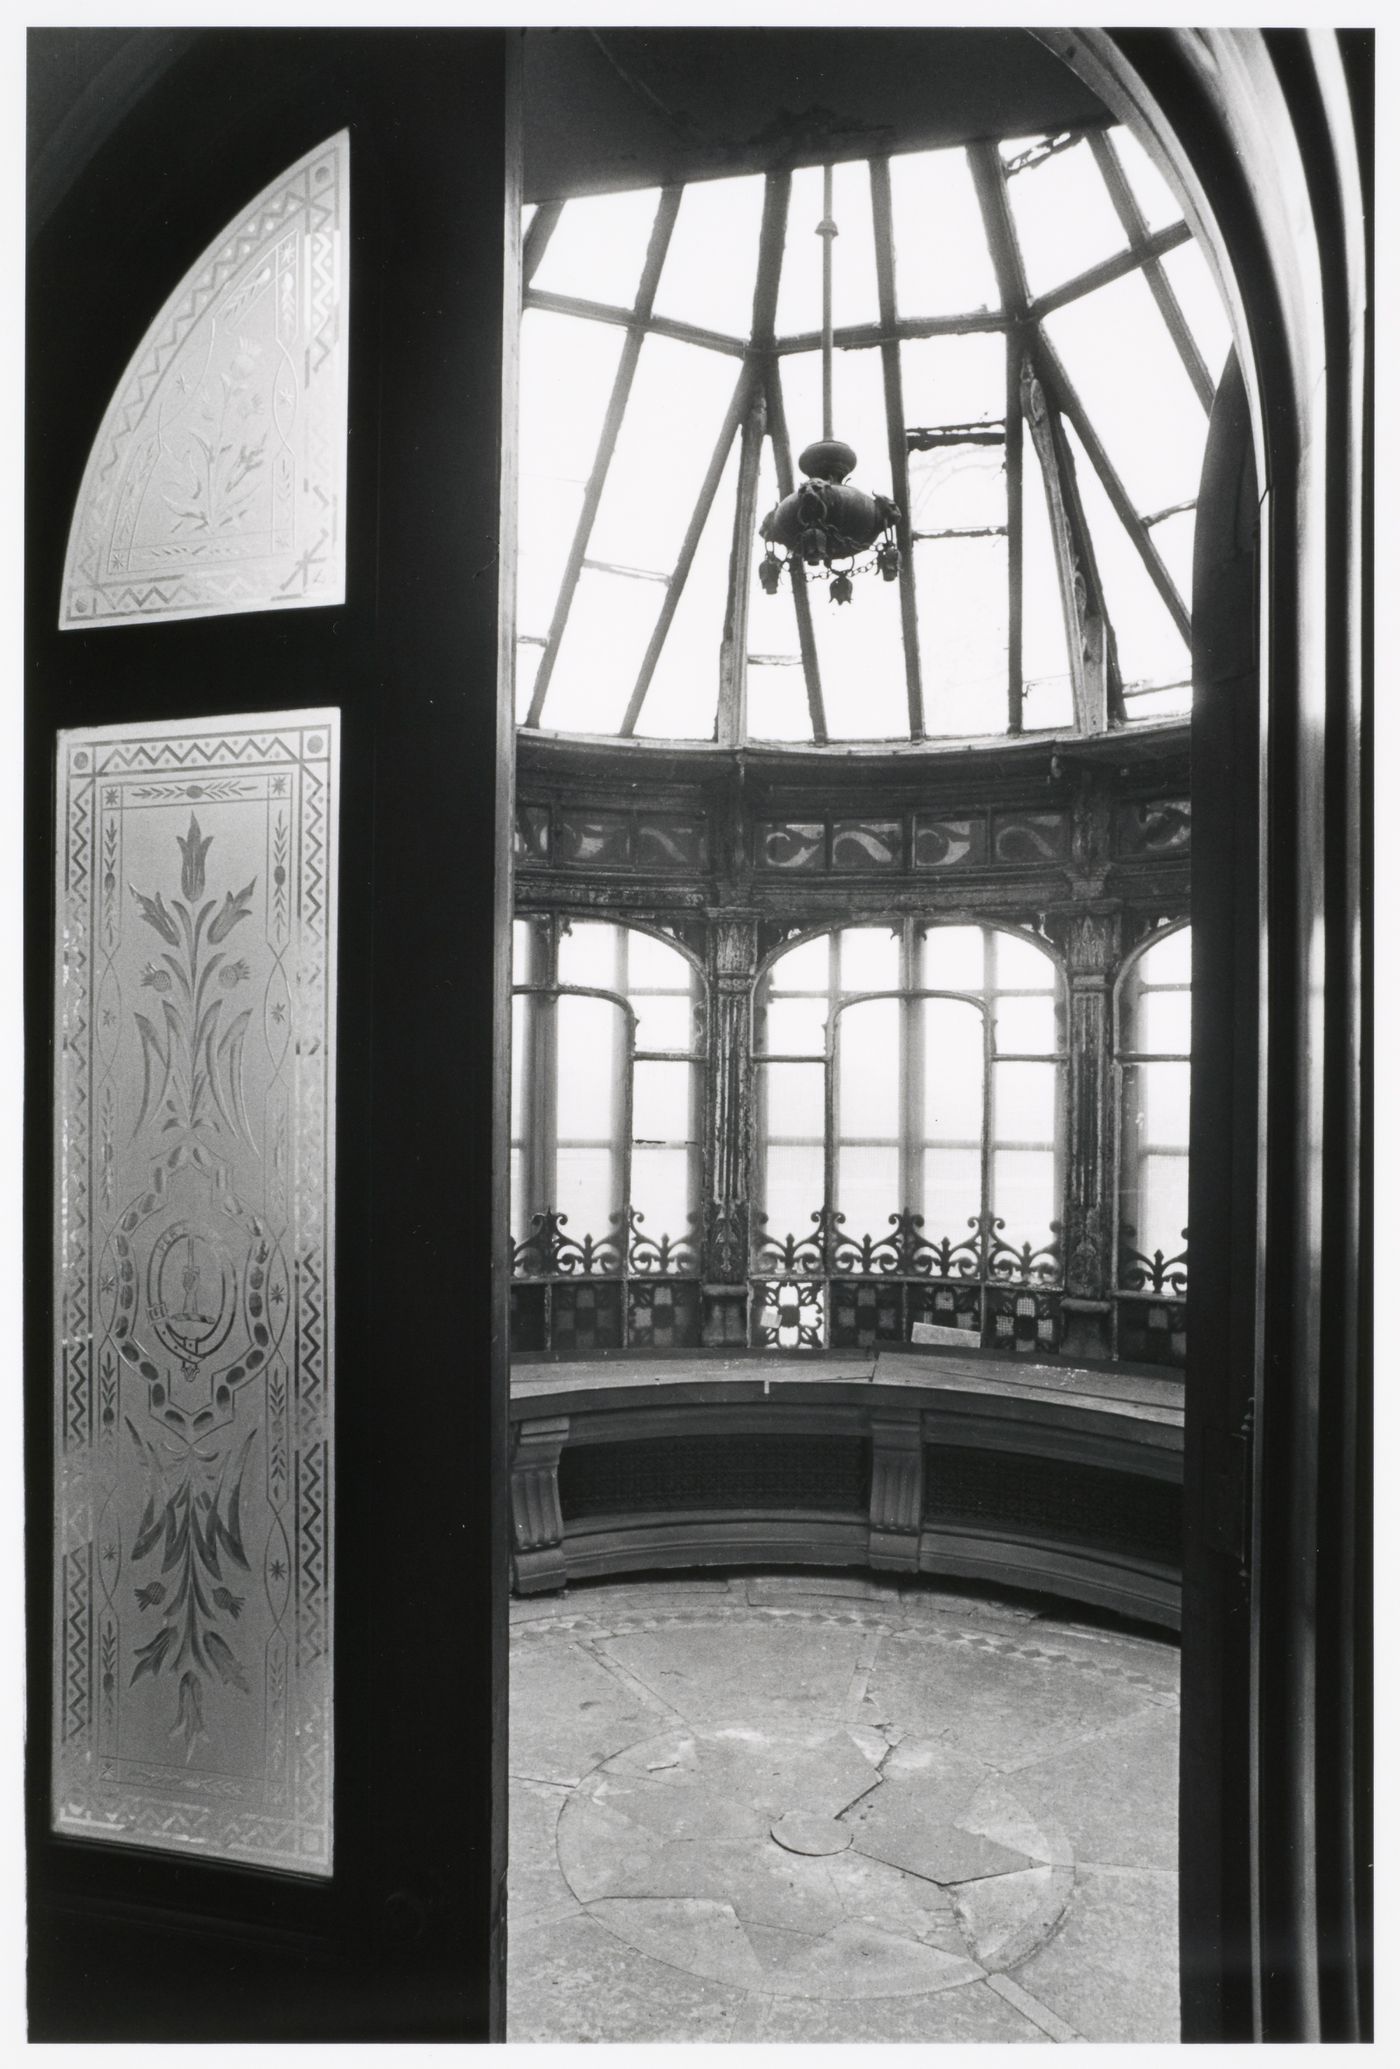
[[1150, 1302]]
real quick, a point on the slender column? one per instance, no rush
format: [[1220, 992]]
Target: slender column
[[728, 1099], [1091, 942]]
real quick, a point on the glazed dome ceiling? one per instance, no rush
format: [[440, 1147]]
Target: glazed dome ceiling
[[1027, 341]]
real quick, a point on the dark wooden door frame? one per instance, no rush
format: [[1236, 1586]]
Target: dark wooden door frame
[[406, 1940]]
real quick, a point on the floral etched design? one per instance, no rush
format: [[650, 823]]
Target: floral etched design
[[226, 456], [192, 1058], [192, 1519]]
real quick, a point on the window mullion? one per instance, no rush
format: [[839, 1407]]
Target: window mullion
[[898, 443], [1094, 679]]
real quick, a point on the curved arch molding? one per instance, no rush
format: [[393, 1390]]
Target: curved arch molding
[[217, 481], [194, 1353]]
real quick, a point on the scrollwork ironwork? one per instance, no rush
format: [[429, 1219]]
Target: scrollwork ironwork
[[1139, 1273]]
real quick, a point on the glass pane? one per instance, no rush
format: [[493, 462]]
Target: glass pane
[[597, 247], [664, 1191], [1024, 1111], [527, 667], [794, 1027], [953, 1066], [792, 1189], [867, 1190], [1164, 1023], [1023, 1195], [590, 1033], [1154, 197], [960, 380], [804, 968], [520, 1016], [1196, 291], [586, 1191], [664, 1023], [708, 277], [663, 1102], [854, 295], [653, 965], [683, 699], [954, 959], [588, 954], [1047, 689], [567, 367], [1020, 965], [1157, 1212], [1064, 218], [957, 486], [522, 941], [796, 1098], [548, 518], [1175, 540], [519, 1205], [868, 1070], [777, 695], [1119, 354], [952, 1193], [942, 264], [1168, 961], [1174, 702], [609, 624], [1025, 1027], [1150, 649], [960, 588], [869, 959], [1164, 1113], [673, 417]]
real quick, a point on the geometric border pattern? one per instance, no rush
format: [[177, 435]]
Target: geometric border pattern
[[195, 991], [217, 481]]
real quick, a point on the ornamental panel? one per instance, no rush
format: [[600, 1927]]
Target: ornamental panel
[[1162, 827], [194, 1141], [217, 481]]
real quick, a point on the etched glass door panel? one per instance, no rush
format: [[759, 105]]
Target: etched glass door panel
[[195, 1014], [217, 480]]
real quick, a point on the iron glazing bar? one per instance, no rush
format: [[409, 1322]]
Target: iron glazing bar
[[1093, 652], [897, 440], [537, 238], [802, 602], [667, 209], [623, 319], [738, 403], [858, 337], [1172, 510], [733, 659], [919, 438], [966, 531], [1066, 398], [1155, 245], [989, 177], [1131, 217]]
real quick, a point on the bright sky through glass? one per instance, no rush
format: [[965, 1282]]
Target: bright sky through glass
[[627, 574]]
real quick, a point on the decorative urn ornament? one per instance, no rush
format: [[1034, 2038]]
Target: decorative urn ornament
[[827, 520]]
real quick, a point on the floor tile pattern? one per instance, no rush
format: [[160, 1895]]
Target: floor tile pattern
[[993, 1790]]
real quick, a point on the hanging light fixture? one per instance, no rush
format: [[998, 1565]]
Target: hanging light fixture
[[827, 522]]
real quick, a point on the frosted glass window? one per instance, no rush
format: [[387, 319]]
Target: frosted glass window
[[588, 1033], [586, 1190], [855, 297], [663, 1188], [1154, 1018], [953, 1072], [792, 1188], [1025, 1027], [588, 953], [596, 248], [1020, 965], [663, 1023], [867, 1185], [869, 959], [1025, 1103], [663, 1102], [1023, 1195], [708, 277], [528, 656], [796, 1098], [216, 483], [942, 264], [795, 1027], [194, 1347], [954, 958], [1065, 221], [952, 1191], [1164, 1022], [803, 968]]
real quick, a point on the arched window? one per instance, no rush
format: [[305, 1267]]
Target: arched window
[[608, 1045], [906, 1168], [1153, 1070]]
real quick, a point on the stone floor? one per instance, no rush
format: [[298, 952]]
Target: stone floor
[[808, 1808]]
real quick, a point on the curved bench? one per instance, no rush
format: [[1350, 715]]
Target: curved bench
[[1057, 1477]]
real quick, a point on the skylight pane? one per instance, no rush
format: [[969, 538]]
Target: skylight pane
[[566, 375], [855, 295], [597, 247], [1046, 685], [528, 657], [684, 694], [605, 637], [708, 277], [776, 684], [778, 708], [1201, 305], [548, 519], [1119, 354], [1150, 190], [1150, 649], [957, 486], [1064, 219], [954, 380], [942, 264], [960, 585], [674, 412], [857, 410]]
